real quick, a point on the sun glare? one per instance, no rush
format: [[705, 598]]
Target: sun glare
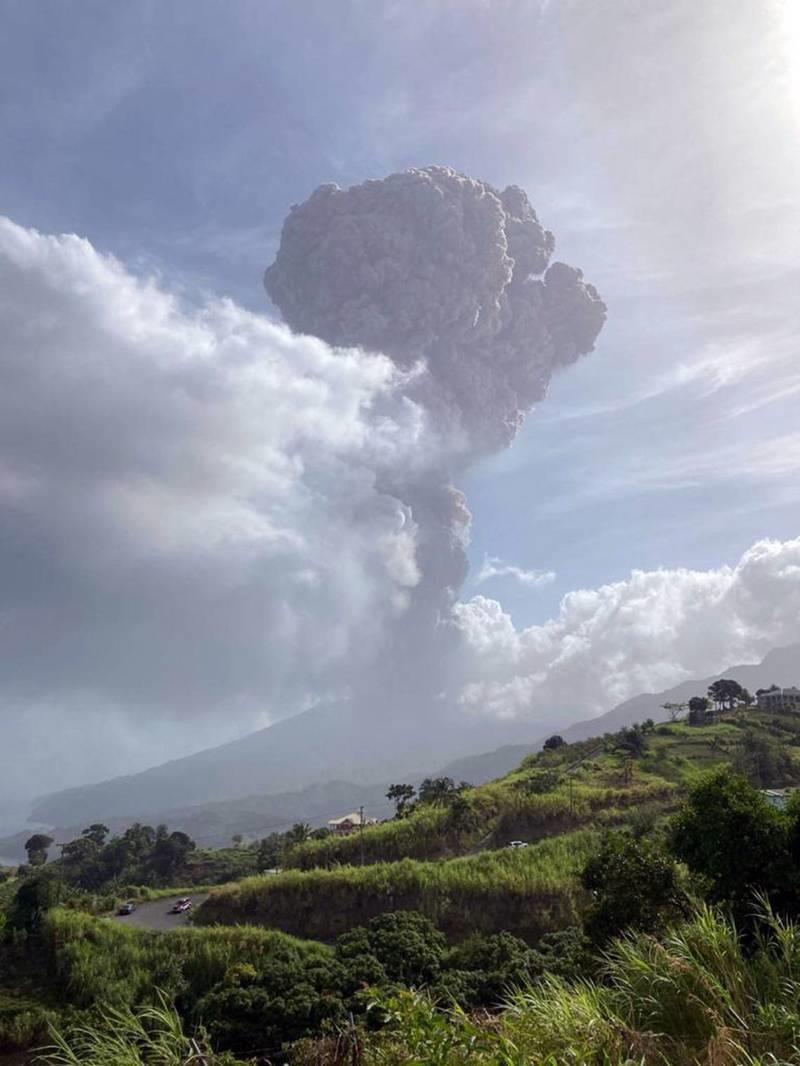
[[788, 12]]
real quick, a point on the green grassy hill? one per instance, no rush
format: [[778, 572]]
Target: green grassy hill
[[532, 890], [452, 861]]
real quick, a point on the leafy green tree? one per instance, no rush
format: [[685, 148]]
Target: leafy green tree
[[436, 790], [36, 846], [407, 945], [765, 762], [402, 796], [268, 853], [698, 709], [564, 953], [553, 742], [298, 834], [634, 885], [461, 814], [34, 897], [730, 837], [440, 791], [320, 833], [170, 853], [725, 693], [82, 863], [495, 963], [97, 832], [631, 740], [286, 999], [138, 841]]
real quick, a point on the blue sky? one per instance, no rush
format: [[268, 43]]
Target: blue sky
[[176, 136], [659, 141]]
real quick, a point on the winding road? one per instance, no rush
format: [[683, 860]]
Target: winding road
[[155, 914]]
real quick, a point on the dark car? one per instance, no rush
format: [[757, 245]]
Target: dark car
[[127, 908], [181, 905]]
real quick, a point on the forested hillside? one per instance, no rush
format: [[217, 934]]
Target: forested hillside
[[352, 951]]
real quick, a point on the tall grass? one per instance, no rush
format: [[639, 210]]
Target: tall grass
[[694, 998], [89, 961], [500, 811], [118, 1036], [531, 891]]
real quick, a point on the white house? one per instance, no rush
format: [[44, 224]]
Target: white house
[[349, 822], [779, 700]]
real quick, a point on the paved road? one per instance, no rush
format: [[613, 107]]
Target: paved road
[[155, 914]]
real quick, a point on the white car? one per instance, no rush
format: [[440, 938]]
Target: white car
[[517, 844]]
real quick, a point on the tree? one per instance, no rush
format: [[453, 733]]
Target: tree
[[495, 962], [288, 997], [36, 846], [631, 740], [698, 708], [268, 853], [237, 839], [138, 841], [461, 814], [97, 832], [553, 742], [407, 945], [34, 897], [764, 691], [402, 796], [170, 853], [725, 693], [728, 835], [437, 790], [298, 834], [765, 762], [634, 886], [674, 710]]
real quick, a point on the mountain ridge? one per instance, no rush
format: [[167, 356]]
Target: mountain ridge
[[120, 798]]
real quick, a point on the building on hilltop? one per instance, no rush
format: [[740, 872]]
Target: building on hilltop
[[777, 797], [779, 700], [348, 823]]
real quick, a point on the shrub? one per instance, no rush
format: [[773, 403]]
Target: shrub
[[634, 885]]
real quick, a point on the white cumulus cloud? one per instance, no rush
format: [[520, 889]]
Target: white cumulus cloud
[[643, 634], [195, 511]]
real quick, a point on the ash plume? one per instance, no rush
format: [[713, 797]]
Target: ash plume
[[434, 266], [438, 270]]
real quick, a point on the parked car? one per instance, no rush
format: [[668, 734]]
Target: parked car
[[517, 844], [181, 905], [127, 908]]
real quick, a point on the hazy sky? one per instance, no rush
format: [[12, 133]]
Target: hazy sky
[[659, 141]]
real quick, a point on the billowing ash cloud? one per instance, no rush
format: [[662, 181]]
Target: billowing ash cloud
[[431, 265], [209, 517], [436, 270]]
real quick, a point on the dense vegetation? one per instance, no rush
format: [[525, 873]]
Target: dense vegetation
[[649, 920], [96, 862], [532, 891]]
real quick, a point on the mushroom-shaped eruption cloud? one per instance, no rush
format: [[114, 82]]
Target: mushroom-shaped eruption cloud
[[429, 265], [450, 277]]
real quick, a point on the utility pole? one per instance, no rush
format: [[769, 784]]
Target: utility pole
[[361, 831]]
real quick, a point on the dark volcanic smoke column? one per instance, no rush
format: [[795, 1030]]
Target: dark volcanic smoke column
[[432, 267]]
